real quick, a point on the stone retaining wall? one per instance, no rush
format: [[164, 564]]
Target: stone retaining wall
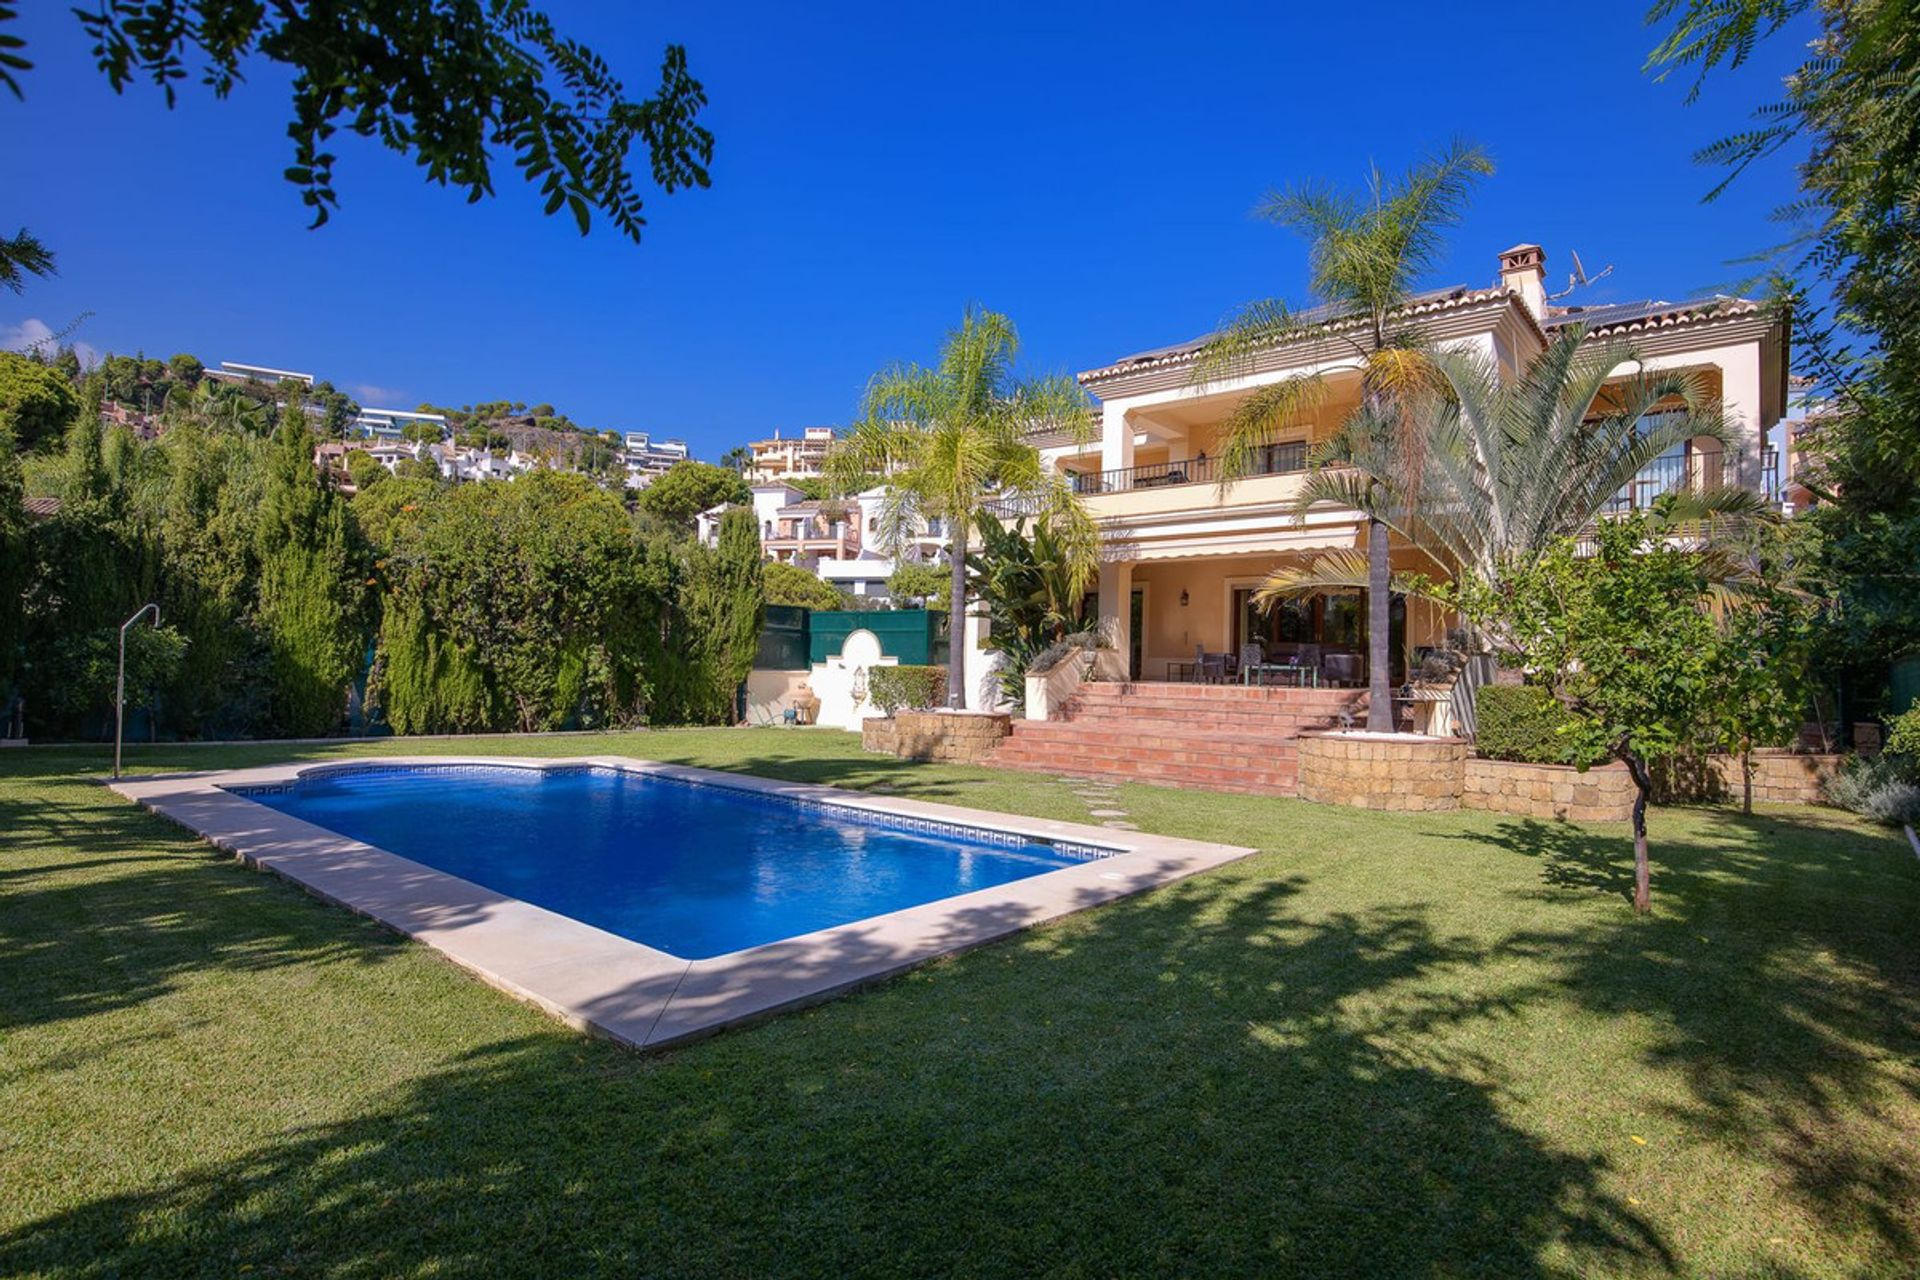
[[1400, 772], [1603, 793], [876, 734], [952, 737], [1779, 777]]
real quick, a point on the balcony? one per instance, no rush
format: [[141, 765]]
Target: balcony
[[1683, 472], [1272, 460]]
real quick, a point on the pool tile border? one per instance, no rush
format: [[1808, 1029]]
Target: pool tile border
[[632, 993]]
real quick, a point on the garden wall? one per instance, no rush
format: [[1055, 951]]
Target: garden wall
[[1779, 777], [951, 737], [1400, 772], [1603, 793]]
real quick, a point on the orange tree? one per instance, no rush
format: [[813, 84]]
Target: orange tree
[[1624, 637]]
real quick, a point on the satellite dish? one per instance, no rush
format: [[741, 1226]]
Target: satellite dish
[[1579, 279]]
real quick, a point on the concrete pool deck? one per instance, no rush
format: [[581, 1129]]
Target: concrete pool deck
[[612, 986]]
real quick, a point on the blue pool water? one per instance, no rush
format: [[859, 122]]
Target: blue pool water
[[693, 870]]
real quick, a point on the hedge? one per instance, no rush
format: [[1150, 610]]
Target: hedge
[[892, 688], [1519, 722]]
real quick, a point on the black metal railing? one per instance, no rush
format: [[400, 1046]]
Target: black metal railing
[[1688, 471], [1270, 460]]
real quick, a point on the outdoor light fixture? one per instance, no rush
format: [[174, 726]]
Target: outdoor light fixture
[[1183, 597]]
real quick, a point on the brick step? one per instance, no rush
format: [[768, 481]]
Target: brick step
[[1229, 689], [1247, 722], [1212, 694]]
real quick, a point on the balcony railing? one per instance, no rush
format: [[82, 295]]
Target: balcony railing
[[1270, 460], [1688, 471]]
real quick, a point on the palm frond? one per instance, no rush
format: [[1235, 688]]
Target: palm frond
[[1333, 570], [1253, 422]]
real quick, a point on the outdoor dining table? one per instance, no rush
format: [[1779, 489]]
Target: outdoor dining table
[[1300, 677]]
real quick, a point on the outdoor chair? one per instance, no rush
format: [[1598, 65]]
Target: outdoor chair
[[1341, 668]]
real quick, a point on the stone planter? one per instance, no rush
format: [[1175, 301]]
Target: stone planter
[[1603, 793], [1405, 773], [952, 737]]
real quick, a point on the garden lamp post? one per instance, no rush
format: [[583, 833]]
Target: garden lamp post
[[120, 682]]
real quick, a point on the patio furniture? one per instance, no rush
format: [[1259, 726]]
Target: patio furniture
[[1285, 674], [1209, 668], [1341, 668]]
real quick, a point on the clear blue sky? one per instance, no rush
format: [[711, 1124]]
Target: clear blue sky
[[1088, 170]]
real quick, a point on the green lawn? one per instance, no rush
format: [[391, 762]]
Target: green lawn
[[1385, 1046]]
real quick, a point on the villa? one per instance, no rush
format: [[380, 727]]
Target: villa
[[1183, 557], [647, 459], [787, 458], [839, 540]]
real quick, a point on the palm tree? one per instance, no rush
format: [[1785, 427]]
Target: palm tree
[[1510, 465], [21, 256], [951, 437], [1366, 250]]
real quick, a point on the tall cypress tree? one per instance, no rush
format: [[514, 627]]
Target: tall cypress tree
[[309, 586], [726, 604], [13, 567]]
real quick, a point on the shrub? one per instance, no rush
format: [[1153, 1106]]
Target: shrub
[[1520, 723], [1903, 740], [894, 688], [1894, 803], [1876, 787], [789, 584]]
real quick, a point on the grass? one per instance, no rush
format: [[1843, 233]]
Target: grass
[[1387, 1045]]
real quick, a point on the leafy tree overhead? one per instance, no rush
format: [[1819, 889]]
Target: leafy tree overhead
[[687, 488], [1850, 105], [951, 437], [789, 584], [1366, 253], [447, 82]]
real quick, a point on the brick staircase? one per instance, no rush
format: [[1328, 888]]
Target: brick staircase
[[1209, 737]]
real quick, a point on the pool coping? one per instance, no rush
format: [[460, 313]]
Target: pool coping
[[627, 991]]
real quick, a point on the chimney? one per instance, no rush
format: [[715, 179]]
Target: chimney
[[1523, 270]]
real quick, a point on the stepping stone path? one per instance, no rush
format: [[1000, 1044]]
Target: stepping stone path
[[1102, 800]]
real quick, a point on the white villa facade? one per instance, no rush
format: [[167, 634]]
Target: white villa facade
[[841, 541], [784, 458], [1181, 557], [646, 458]]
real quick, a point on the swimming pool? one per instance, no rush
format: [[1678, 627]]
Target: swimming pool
[[691, 869], [625, 896]]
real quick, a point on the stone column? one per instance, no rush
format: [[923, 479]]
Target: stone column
[[1116, 438], [1116, 616]]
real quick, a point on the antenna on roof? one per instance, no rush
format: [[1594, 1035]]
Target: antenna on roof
[[1579, 279]]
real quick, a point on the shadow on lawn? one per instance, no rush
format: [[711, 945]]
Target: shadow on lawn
[[1737, 965], [1169, 1086], [137, 910]]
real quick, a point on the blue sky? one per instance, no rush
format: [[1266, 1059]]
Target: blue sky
[[1087, 169]]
